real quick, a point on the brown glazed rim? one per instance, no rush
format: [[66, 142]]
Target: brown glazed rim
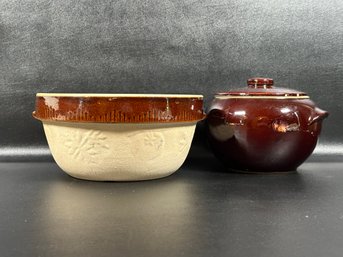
[[262, 88], [255, 96], [118, 108]]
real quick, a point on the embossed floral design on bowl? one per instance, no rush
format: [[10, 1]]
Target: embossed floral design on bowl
[[119, 137]]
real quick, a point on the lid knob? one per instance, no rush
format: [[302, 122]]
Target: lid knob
[[260, 82]]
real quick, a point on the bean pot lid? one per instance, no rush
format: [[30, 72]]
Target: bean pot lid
[[263, 88]]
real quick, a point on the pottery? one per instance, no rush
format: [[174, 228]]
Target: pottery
[[263, 128], [119, 137]]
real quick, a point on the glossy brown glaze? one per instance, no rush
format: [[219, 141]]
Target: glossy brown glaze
[[263, 87], [261, 82], [110, 108], [263, 134]]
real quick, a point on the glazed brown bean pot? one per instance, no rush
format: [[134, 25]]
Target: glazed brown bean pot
[[262, 128]]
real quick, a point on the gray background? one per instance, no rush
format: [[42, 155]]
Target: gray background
[[168, 47], [164, 47]]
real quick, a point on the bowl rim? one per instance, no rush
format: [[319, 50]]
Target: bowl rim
[[118, 108], [123, 95]]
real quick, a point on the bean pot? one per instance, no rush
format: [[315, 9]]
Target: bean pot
[[263, 128], [119, 137]]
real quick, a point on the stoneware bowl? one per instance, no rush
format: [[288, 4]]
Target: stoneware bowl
[[262, 128], [119, 137]]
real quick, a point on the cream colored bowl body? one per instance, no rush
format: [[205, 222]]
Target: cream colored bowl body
[[119, 152]]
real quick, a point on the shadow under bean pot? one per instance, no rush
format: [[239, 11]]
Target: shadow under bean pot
[[262, 128]]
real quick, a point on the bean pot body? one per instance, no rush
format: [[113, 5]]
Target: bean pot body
[[263, 135]]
